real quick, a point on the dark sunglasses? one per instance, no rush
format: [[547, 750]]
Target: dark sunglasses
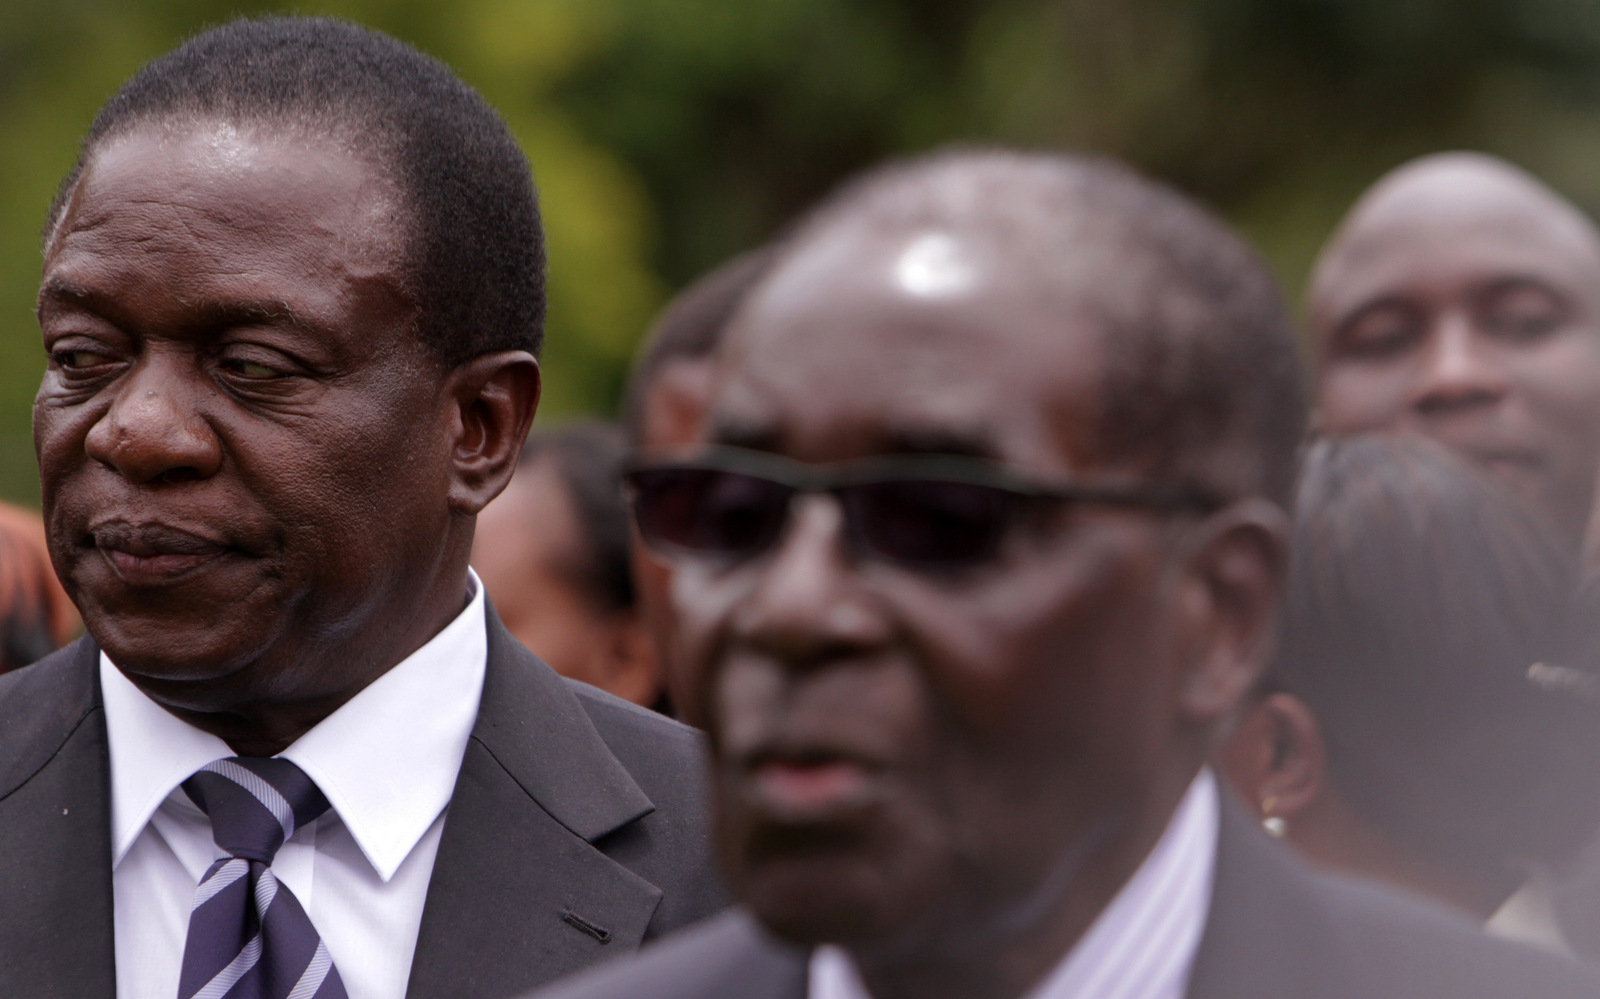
[[921, 511]]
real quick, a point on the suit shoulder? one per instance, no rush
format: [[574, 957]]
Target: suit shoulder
[[632, 730], [1423, 950], [40, 707], [727, 957], [50, 677], [1278, 927]]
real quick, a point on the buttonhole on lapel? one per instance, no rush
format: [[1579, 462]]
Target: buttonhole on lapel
[[600, 933]]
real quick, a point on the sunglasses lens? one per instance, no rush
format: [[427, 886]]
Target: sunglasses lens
[[932, 524], [708, 511]]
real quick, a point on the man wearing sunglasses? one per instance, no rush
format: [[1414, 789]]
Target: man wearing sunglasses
[[985, 549]]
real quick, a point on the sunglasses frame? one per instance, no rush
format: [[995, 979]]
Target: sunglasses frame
[[832, 477]]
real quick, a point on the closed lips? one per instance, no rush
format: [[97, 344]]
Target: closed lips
[[148, 554], [148, 540]]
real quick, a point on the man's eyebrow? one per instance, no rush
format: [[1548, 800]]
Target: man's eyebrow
[[939, 440], [743, 433], [1387, 300], [62, 289], [64, 293], [893, 440], [241, 313], [1511, 282]]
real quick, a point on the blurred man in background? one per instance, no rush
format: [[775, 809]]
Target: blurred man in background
[[552, 551], [1460, 299], [662, 409], [984, 547], [1421, 724], [36, 618]]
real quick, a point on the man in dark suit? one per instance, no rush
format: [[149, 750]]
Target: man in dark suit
[[985, 549], [292, 301]]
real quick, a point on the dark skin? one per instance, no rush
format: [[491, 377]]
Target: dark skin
[[674, 406], [531, 555], [259, 485], [951, 775], [1461, 300]]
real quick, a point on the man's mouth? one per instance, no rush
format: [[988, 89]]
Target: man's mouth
[[152, 554], [1504, 459], [810, 787]]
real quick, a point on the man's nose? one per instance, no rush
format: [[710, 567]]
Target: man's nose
[[1459, 372], [809, 604], [152, 431]]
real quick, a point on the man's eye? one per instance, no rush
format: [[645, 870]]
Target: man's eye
[[1380, 336], [82, 359], [1522, 326], [1524, 313], [251, 369]]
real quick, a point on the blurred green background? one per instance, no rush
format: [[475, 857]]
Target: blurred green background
[[667, 135]]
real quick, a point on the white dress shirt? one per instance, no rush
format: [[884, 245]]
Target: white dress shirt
[[387, 762], [1142, 946], [1529, 917]]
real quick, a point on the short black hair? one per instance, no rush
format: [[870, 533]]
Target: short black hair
[[475, 244], [1203, 380], [690, 328], [1421, 595], [589, 456]]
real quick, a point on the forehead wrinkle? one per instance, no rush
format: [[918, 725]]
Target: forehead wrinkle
[[374, 214], [751, 398], [137, 222], [746, 413]]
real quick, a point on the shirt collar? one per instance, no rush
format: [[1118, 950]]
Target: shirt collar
[[1141, 945], [387, 760]]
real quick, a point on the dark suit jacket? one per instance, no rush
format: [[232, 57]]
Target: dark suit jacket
[[576, 831], [1276, 930]]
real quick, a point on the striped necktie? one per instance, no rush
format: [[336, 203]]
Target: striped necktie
[[248, 936]]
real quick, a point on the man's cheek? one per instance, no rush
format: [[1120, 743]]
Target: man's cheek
[[1357, 401]]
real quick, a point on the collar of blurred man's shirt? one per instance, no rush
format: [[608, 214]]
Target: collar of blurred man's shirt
[[1142, 946]]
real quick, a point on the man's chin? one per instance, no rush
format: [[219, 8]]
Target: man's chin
[[174, 649], [811, 904]]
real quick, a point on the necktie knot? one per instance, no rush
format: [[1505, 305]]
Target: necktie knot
[[254, 804]]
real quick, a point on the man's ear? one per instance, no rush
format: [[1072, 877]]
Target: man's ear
[[494, 397], [1233, 573]]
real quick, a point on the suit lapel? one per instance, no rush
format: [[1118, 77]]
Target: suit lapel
[[56, 936], [519, 894]]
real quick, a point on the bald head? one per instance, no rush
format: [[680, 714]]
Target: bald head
[[1460, 299], [1196, 361], [1437, 200]]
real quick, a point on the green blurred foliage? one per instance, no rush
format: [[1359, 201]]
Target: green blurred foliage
[[667, 135]]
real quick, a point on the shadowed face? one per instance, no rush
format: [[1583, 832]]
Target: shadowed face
[[244, 447], [905, 755], [540, 567], [674, 406], [1463, 302]]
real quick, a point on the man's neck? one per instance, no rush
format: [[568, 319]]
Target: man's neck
[[292, 691]]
